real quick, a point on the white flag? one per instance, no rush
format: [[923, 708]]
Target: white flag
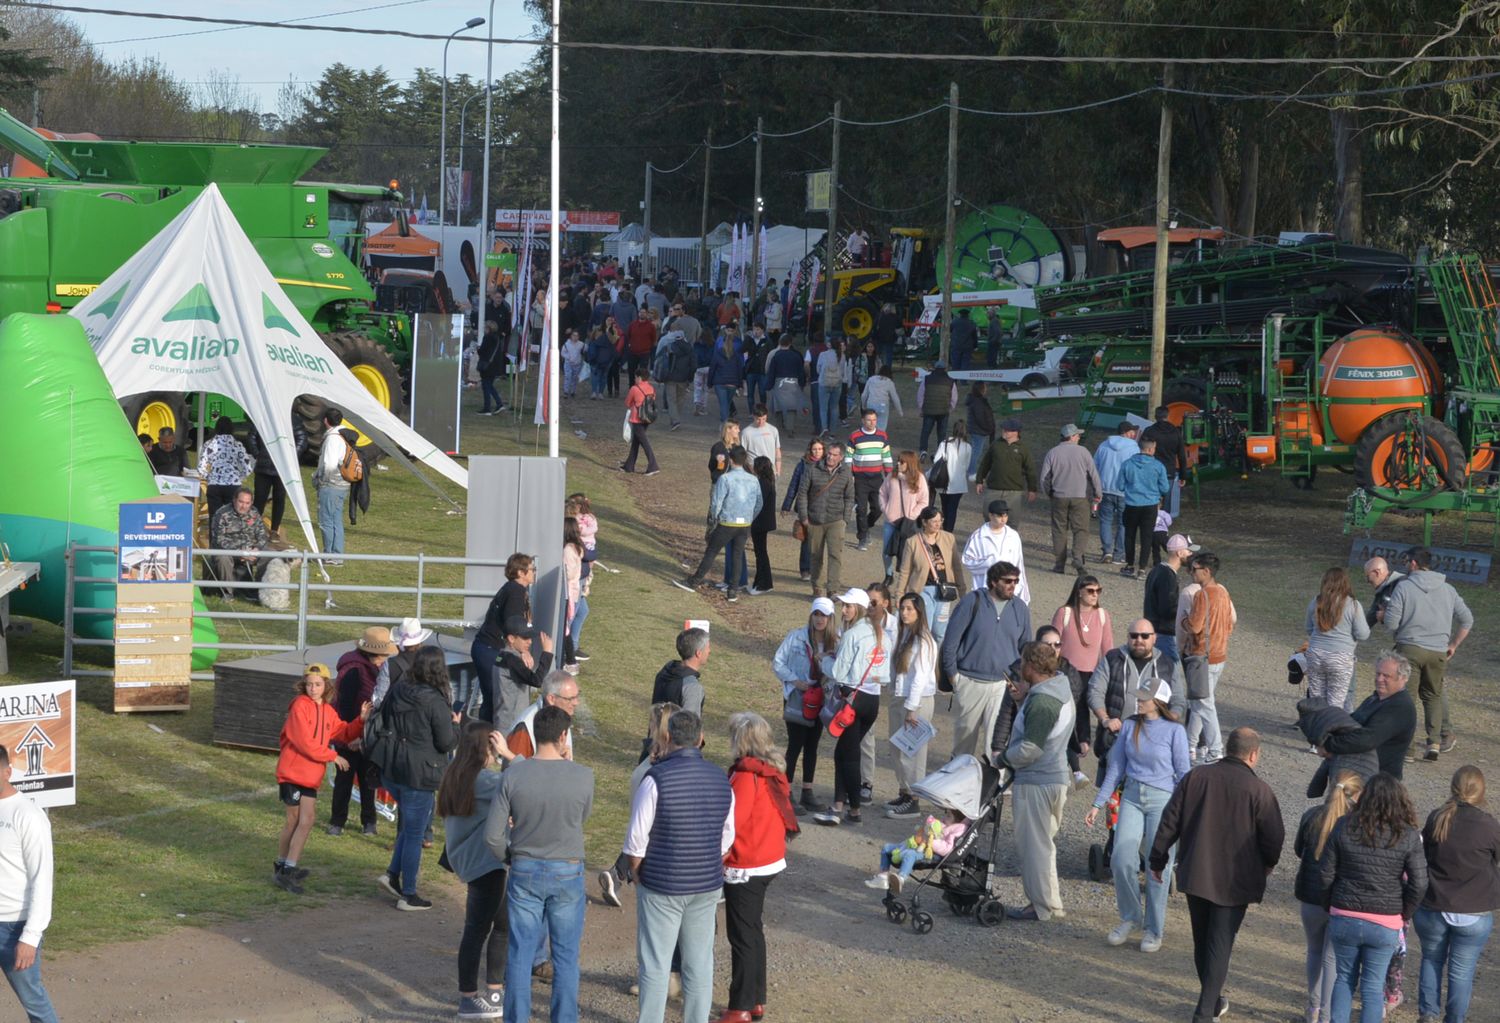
[[544, 381], [760, 273]]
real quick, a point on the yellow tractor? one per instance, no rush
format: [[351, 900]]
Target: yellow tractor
[[860, 291]]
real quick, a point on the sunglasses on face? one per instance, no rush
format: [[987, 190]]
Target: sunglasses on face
[[1092, 589], [1142, 635], [1010, 580]]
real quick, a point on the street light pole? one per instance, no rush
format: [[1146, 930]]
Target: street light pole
[[443, 137], [463, 115], [489, 125]]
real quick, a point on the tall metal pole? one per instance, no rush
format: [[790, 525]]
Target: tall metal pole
[[1163, 247], [554, 263], [708, 155], [489, 125], [463, 116], [754, 233], [646, 223], [946, 336], [443, 138], [831, 246]]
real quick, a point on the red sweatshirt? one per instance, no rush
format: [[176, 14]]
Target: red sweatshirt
[[307, 741]]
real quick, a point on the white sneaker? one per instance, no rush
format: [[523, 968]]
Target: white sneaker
[[879, 882], [1121, 934], [1080, 780], [1151, 942]]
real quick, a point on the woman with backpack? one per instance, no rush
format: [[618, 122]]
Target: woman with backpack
[[418, 713], [640, 413]]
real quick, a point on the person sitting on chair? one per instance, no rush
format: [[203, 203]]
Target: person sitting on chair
[[237, 526]]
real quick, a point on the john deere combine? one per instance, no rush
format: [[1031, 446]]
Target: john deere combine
[[77, 209]]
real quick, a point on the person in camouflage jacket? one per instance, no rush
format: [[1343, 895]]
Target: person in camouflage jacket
[[238, 526]]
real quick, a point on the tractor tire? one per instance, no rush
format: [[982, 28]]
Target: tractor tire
[[149, 412], [1374, 455], [854, 317], [1184, 396], [1033, 382], [375, 369]]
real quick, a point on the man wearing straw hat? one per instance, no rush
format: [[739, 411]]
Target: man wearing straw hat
[[357, 672]]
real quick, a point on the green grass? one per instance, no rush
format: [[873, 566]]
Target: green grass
[[171, 830]]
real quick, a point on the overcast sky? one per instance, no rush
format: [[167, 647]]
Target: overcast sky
[[264, 58]]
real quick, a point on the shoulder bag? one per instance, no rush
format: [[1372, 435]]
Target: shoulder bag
[[902, 529], [937, 476], [834, 706], [947, 592], [1195, 666], [804, 706]]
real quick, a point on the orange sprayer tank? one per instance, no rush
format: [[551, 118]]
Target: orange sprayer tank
[[1379, 364]]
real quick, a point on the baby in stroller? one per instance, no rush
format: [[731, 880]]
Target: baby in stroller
[[932, 840]]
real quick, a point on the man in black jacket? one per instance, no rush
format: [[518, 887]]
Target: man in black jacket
[[1388, 718], [1171, 453], [678, 682], [1227, 826]]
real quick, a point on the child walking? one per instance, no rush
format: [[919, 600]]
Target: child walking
[[312, 727], [572, 360]]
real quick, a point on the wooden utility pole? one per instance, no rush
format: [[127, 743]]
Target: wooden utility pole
[[646, 223], [831, 246], [708, 155], [1163, 250], [949, 227], [752, 286]]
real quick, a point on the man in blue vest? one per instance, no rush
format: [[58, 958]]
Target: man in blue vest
[[681, 825]]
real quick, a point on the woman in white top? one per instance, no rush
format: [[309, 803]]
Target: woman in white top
[[880, 395], [956, 450], [914, 668], [860, 669]]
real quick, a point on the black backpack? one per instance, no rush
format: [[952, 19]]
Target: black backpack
[[647, 412]]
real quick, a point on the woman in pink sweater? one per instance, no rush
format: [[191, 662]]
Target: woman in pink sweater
[[903, 495]]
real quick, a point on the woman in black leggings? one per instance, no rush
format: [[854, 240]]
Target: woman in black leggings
[[799, 665], [860, 670]]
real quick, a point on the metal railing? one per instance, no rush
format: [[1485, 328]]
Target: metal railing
[[301, 585]]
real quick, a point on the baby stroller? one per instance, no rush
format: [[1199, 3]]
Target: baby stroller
[[963, 876]]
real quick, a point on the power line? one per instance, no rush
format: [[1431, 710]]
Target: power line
[[882, 209], [236, 28], [657, 170], [783, 54]]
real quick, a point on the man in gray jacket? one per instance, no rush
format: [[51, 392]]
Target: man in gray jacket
[[824, 505], [1421, 613], [1038, 756], [985, 632], [1071, 482]]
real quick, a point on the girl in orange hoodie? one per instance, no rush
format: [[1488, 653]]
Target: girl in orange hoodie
[[312, 727]]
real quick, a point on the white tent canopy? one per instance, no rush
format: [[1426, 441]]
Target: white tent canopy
[[785, 248], [196, 310]]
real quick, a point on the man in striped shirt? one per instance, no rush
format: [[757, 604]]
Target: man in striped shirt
[[871, 462]]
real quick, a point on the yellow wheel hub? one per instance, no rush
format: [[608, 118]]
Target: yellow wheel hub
[[372, 380], [154, 417], [858, 323]]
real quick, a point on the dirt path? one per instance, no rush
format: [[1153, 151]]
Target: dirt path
[[833, 954]]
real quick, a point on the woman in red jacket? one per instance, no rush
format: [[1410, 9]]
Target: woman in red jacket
[[312, 727], [763, 818]]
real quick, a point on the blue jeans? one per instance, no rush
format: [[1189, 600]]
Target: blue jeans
[[1167, 644], [755, 384], [909, 858], [598, 377], [1173, 500], [546, 901], [979, 443], [1112, 524], [1203, 719], [331, 501], [492, 399], [1456, 947], [819, 423], [580, 615], [726, 399], [27, 983], [1362, 951], [939, 629], [665, 923], [484, 657], [829, 397], [928, 422], [1135, 829], [416, 814], [882, 416]]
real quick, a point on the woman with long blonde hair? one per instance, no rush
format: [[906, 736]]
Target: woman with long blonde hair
[[1335, 626], [903, 495], [860, 670], [1312, 838], [763, 819], [1462, 843]]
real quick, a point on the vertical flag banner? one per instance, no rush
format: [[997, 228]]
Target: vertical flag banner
[[760, 272], [544, 381]]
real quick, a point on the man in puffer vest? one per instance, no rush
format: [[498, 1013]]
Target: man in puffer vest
[[1038, 757], [681, 825]]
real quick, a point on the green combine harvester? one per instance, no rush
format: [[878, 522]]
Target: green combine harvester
[[77, 209]]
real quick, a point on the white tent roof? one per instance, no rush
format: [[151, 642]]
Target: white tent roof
[[785, 248], [196, 310]]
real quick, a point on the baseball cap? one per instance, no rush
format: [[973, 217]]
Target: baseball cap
[[822, 605], [1010, 426], [317, 668], [1178, 542], [516, 625], [854, 595], [998, 507], [1071, 430], [1155, 689]]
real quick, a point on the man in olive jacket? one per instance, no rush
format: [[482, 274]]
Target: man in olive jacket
[[825, 504], [1227, 826]]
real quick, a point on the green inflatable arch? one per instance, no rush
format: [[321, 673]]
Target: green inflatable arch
[[68, 460]]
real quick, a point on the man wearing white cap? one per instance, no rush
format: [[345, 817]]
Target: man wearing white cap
[[1071, 482], [993, 542], [1160, 606]]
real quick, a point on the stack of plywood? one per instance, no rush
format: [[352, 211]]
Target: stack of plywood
[[153, 646]]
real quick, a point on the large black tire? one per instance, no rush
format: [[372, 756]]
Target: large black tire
[[149, 412], [1376, 465], [854, 317], [375, 369], [1185, 391]]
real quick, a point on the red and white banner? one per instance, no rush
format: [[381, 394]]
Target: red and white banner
[[582, 221]]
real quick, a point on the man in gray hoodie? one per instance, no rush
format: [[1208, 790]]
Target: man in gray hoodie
[[1421, 614], [1038, 756]]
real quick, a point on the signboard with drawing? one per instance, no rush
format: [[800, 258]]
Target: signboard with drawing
[[39, 731], [156, 541]]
